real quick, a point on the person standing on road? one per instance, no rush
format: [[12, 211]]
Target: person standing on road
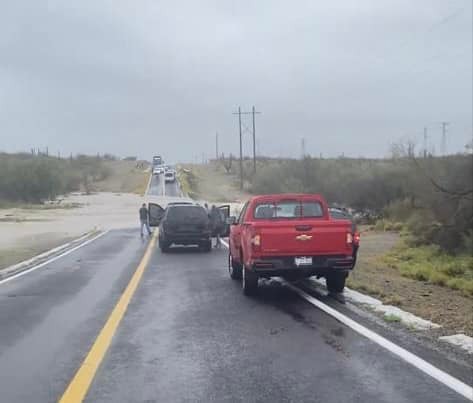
[[216, 224], [144, 216]]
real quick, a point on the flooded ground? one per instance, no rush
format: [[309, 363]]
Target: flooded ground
[[25, 232]]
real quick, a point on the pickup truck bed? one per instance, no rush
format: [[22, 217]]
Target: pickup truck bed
[[293, 236]]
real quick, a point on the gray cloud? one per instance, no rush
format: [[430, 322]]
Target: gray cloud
[[141, 77]]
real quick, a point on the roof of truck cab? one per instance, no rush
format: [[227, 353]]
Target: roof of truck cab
[[281, 196]]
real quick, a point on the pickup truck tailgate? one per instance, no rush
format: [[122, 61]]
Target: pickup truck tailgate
[[321, 237]]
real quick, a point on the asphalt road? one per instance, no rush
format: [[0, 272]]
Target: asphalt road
[[189, 335], [158, 187]]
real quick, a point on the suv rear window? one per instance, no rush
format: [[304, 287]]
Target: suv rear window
[[288, 209], [188, 214]]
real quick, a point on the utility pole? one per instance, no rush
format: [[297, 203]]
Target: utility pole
[[254, 141], [425, 142], [241, 149], [302, 147], [253, 113], [216, 146], [443, 148]]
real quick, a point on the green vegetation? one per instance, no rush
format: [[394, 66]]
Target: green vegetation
[[430, 264], [31, 179], [34, 179]]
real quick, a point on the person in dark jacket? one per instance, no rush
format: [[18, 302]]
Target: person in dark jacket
[[216, 224], [144, 219]]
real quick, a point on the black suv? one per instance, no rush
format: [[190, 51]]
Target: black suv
[[184, 224]]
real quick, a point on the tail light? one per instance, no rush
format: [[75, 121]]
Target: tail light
[[256, 242], [349, 238]]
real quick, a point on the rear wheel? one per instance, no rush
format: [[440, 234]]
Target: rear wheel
[[336, 282], [249, 282], [164, 246], [206, 246], [234, 268]]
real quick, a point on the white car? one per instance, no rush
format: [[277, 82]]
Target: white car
[[170, 176], [158, 170]]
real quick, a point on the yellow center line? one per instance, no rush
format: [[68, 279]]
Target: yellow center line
[[80, 383]]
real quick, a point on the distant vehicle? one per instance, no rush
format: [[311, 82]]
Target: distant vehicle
[[181, 203], [158, 170], [170, 176], [181, 224], [292, 236], [339, 214], [157, 160]]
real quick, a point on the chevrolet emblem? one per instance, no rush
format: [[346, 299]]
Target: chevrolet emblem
[[304, 237]]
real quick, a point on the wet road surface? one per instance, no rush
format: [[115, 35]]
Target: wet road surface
[[50, 317], [158, 187], [190, 335]]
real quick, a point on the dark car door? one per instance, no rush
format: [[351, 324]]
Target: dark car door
[[225, 209], [155, 212], [235, 234]]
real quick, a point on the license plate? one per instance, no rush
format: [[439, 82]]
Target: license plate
[[303, 261]]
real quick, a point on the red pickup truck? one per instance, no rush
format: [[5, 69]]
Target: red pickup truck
[[291, 236]]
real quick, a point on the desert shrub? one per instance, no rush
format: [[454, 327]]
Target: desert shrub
[[33, 179]]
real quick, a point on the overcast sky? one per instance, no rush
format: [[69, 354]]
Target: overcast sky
[[149, 77]]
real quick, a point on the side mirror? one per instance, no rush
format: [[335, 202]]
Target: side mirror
[[231, 220]]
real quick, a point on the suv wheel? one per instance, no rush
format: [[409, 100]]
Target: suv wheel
[[249, 282], [206, 246], [164, 246], [234, 268], [336, 282]]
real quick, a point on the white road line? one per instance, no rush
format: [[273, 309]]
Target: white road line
[[164, 185], [436, 373], [53, 258]]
